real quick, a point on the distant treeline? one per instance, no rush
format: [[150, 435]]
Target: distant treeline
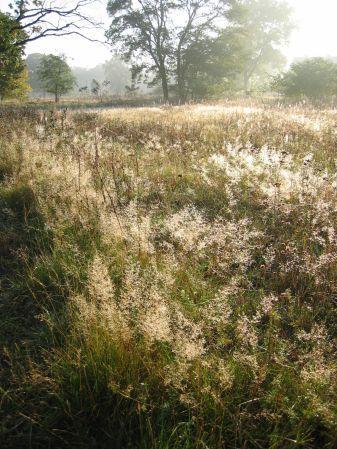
[[110, 78]]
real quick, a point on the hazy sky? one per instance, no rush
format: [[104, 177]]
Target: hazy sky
[[316, 34]]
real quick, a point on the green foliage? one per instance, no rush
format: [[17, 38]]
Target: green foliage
[[147, 34], [313, 78], [212, 65], [99, 89], [115, 71], [28, 21], [56, 75], [33, 61], [261, 28], [12, 68], [213, 44], [135, 29]]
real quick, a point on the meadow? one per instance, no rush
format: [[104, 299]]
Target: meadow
[[168, 278]]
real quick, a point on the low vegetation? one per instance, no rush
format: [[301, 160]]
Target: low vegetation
[[168, 278]]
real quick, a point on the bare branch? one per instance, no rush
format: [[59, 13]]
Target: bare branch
[[49, 20]]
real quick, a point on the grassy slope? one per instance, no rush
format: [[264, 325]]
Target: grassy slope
[[168, 279]]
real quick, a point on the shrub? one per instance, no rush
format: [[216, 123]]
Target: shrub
[[313, 78]]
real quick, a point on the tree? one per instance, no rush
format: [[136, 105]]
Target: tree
[[140, 29], [147, 33], [212, 65], [33, 62], [261, 27], [118, 73], [56, 76], [201, 21], [20, 89], [313, 77], [12, 67]]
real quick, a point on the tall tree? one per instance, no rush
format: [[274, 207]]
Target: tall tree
[[157, 34], [139, 30], [200, 19], [262, 27], [56, 76], [33, 61], [12, 66], [118, 73], [211, 66]]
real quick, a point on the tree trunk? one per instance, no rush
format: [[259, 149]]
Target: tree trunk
[[164, 83], [165, 90], [180, 77], [57, 97], [180, 81], [181, 84], [181, 91]]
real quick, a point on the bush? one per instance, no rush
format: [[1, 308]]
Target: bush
[[314, 78]]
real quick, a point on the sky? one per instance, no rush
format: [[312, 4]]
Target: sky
[[316, 35]]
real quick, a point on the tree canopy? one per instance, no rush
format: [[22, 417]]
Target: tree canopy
[[12, 67], [193, 46], [33, 62], [56, 75], [261, 28], [313, 77], [156, 35]]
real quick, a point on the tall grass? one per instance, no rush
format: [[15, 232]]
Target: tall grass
[[168, 278]]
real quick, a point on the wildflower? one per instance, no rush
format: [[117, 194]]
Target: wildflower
[[246, 332]]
